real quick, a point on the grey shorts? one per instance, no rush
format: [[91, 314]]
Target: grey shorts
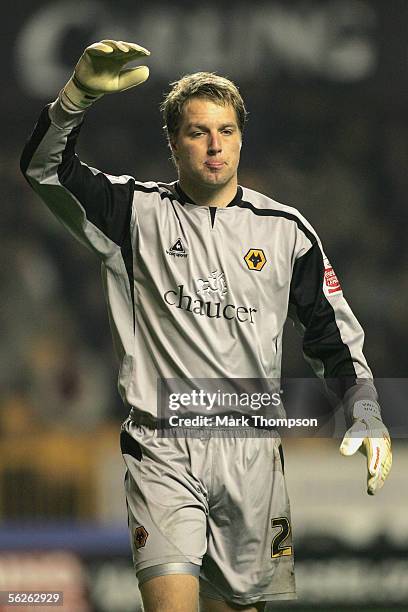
[[215, 507]]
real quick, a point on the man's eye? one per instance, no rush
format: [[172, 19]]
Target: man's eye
[[227, 132], [196, 134]]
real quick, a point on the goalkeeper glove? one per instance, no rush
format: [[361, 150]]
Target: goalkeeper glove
[[100, 71], [369, 435]]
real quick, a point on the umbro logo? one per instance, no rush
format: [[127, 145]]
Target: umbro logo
[[177, 250]]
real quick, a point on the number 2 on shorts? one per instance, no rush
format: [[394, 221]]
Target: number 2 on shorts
[[277, 547]]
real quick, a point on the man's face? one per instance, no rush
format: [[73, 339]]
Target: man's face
[[208, 144]]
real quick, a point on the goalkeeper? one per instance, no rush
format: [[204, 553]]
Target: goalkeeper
[[200, 275]]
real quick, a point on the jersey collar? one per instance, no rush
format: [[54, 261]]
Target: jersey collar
[[184, 198]]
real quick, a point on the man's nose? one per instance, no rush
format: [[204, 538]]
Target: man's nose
[[214, 143]]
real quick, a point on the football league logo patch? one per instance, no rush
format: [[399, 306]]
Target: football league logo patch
[[331, 282], [255, 259]]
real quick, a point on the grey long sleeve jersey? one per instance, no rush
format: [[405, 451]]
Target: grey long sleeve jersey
[[197, 291]]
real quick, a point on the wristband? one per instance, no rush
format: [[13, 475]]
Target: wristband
[[75, 97]]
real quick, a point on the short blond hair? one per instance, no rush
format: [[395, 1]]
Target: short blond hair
[[208, 85]]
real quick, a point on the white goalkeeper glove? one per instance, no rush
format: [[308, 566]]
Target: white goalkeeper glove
[[369, 435], [100, 71]]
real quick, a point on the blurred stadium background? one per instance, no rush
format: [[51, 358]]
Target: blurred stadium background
[[326, 85]]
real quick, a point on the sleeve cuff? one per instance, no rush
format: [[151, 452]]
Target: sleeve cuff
[[63, 118]]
